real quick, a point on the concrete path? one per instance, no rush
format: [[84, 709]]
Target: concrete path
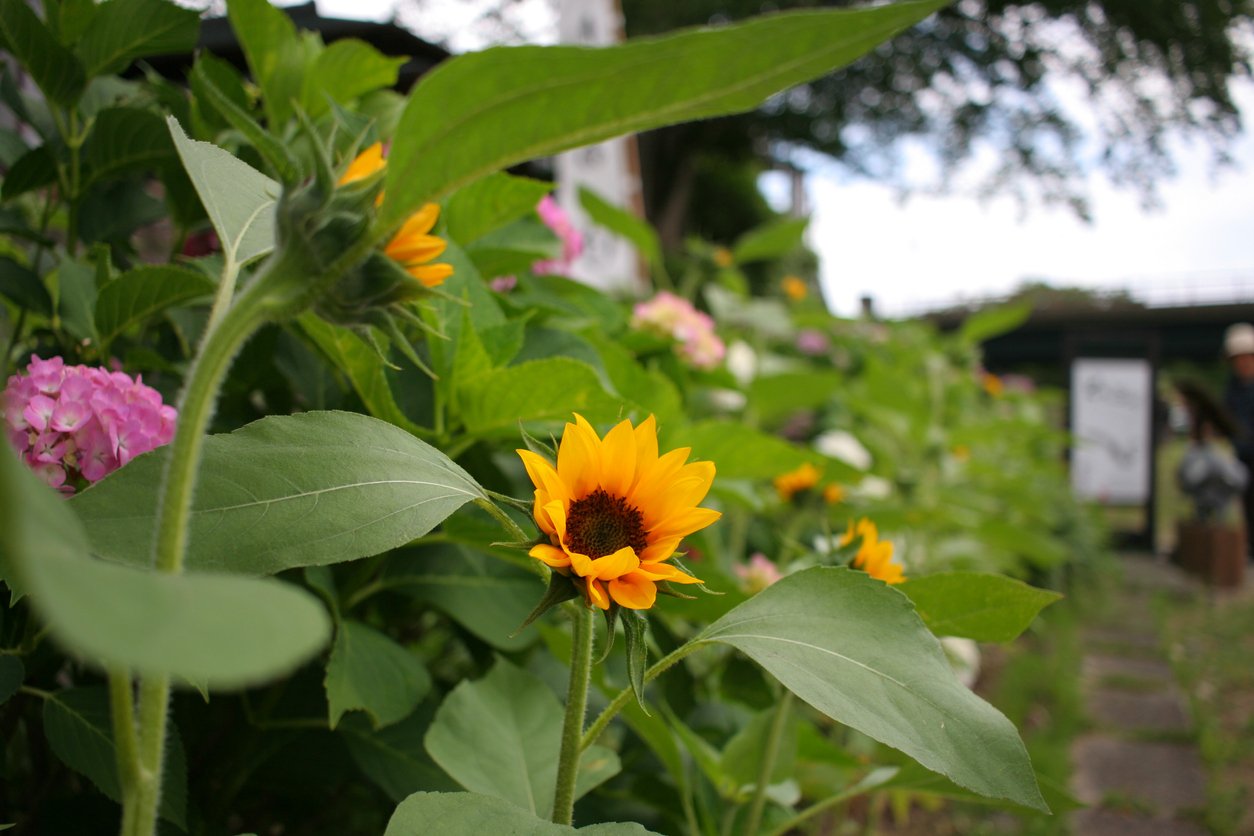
[[1138, 770]]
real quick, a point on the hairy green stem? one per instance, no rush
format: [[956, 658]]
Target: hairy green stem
[[125, 738], [576, 707], [774, 737], [615, 706]]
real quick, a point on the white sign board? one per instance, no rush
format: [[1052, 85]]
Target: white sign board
[[608, 261], [1112, 403]]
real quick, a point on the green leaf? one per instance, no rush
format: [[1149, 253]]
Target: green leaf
[[484, 111], [987, 608], [855, 649], [24, 287], [137, 294], [993, 322], [368, 671], [741, 452], [548, 389], [76, 282], [742, 756], [279, 58], [778, 395], [286, 491], [77, 724], [491, 203], [205, 79], [624, 223], [771, 240], [239, 199], [53, 67], [394, 757], [116, 38], [634, 624], [124, 138], [500, 736], [74, 19], [33, 170], [345, 70], [471, 814], [12, 673]]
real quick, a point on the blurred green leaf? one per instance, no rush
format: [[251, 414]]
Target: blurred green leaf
[[987, 608], [855, 649], [485, 111], [500, 735], [548, 389], [286, 491], [741, 452], [53, 67], [368, 671], [24, 287], [33, 170], [124, 138], [625, 223], [993, 322], [470, 814], [138, 294], [12, 672], [123, 30], [771, 240], [778, 395], [345, 70], [394, 757], [76, 285], [490, 203]]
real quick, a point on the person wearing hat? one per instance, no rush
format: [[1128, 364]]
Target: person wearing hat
[[1239, 399]]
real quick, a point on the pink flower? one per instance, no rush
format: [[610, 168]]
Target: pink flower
[[75, 424], [556, 219], [812, 342], [692, 330], [504, 284], [758, 574]]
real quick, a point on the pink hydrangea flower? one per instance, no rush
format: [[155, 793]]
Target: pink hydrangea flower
[[76, 424], [556, 219], [812, 342], [758, 574], [693, 331]]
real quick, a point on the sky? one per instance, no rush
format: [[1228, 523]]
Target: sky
[[930, 251]]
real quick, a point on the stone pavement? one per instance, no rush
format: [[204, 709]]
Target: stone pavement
[[1138, 769]]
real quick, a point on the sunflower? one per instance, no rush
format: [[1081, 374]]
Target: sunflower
[[875, 556], [413, 246], [614, 510], [794, 482]]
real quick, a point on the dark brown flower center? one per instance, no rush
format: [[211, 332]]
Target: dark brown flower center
[[600, 524]]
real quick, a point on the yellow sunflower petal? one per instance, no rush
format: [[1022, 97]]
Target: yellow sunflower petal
[[633, 591], [430, 275], [660, 549], [646, 445], [415, 248], [618, 459], [579, 459], [365, 164], [581, 563], [666, 572], [557, 514], [653, 480], [551, 555], [543, 476], [684, 523], [614, 565], [683, 494], [419, 223], [596, 594]]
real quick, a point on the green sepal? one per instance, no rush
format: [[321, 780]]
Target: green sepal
[[634, 624], [323, 174], [537, 446], [701, 586], [561, 589], [407, 348], [665, 588], [611, 619]]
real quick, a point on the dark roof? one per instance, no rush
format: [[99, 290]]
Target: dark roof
[[217, 37]]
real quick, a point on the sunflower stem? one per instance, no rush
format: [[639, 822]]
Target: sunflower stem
[[576, 707], [767, 766]]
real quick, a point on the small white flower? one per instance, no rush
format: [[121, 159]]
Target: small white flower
[[842, 445], [873, 487], [742, 362]]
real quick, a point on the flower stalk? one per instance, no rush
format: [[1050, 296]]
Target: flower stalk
[[576, 707], [774, 738]]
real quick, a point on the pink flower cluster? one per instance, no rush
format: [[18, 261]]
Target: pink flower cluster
[[556, 219], [675, 317], [758, 574], [73, 423]]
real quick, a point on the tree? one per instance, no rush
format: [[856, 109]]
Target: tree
[[1025, 99]]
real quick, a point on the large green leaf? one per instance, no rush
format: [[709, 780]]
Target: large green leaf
[[548, 389], [276, 56], [394, 757], [239, 199], [32, 170], [459, 580], [214, 629], [138, 294], [368, 671], [778, 395], [345, 70], [286, 491], [78, 727], [855, 649], [987, 608], [489, 204], [124, 138], [485, 111], [53, 67], [500, 736], [24, 287], [770, 240], [12, 672], [470, 814], [123, 30]]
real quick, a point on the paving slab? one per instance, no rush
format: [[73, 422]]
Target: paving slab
[[1098, 822], [1165, 777], [1131, 711]]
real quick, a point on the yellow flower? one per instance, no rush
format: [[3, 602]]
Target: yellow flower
[[795, 481], [992, 384], [614, 510], [875, 556], [833, 493], [413, 247], [723, 257], [794, 288], [368, 162], [961, 452]]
